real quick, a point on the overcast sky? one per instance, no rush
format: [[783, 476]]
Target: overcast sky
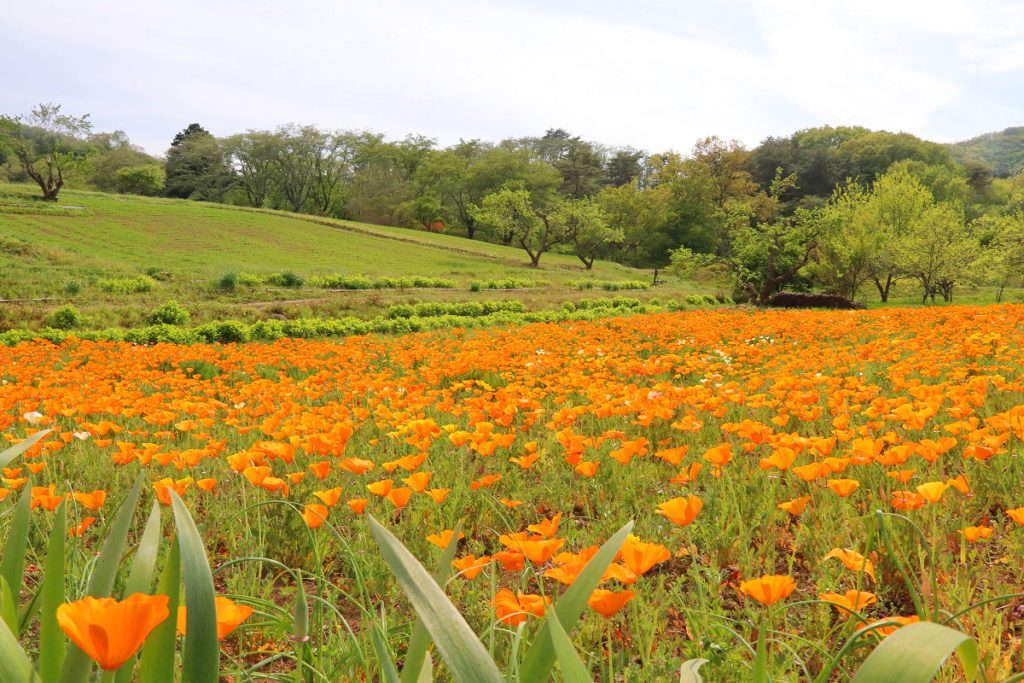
[[653, 74]]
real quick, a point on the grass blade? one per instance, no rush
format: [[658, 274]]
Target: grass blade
[[465, 655], [540, 658], [419, 641], [915, 653], [388, 670], [51, 639], [688, 672], [201, 658], [761, 657], [13, 564], [573, 669], [14, 451], [8, 606], [156, 663], [15, 666], [140, 579], [77, 664]]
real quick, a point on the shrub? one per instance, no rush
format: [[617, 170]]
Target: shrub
[[66, 317], [169, 314], [72, 287], [250, 280], [286, 279], [126, 285], [228, 281], [813, 300], [475, 286]]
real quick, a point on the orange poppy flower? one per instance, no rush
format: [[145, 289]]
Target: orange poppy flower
[[513, 608], [355, 465], [442, 539], [960, 484], [110, 632], [768, 589], [418, 482], [470, 566], [639, 557], [207, 484], [230, 616], [81, 528], [511, 504], [682, 511], [843, 487], [889, 630], [906, 500], [358, 505], [438, 494], [329, 497], [587, 468], [902, 476], [547, 528], [380, 488], [607, 603], [314, 515], [321, 469], [852, 600], [485, 482], [295, 477], [973, 534], [932, 491], [511, 560], [400, 497], [1017, 515], [719, 455], [796, 506], [853, 560]]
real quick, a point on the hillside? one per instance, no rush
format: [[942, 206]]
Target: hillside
[[200, 240], [1002, 152]]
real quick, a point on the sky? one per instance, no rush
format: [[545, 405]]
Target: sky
[[653, 74]]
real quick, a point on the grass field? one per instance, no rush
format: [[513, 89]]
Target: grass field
[[874, 452]]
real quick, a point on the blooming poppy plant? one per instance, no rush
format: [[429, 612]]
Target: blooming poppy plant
[[681, 511], [768, 589], [230, 616]]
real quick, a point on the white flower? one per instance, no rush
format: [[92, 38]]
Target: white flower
[[82, 436], [33, 418]]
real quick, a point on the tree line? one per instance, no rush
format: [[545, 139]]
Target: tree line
[[830, 208]]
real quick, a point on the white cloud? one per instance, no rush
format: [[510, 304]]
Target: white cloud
[[491, 69]]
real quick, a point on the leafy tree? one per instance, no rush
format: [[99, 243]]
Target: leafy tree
[[48, 144], [517, 216], [586, 226], [894, 208], [849, 243], [143, 180], [1002, 261], [939, 251], [254, 155], [641, 216], [769, 255], [582, 170]]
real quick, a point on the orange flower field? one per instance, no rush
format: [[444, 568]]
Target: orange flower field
[[801, 474]]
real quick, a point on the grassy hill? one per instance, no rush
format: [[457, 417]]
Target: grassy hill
[[61, 253], [1003, 152]]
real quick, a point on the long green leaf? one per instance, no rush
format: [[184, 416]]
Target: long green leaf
[[14, 451], [573, 669], [419, 642], [77, 664], [51, 638], [8, 605], [12, 567], [761, 657], [140, 579], [388, 670], [915, 653], [541, 656], [201, 659], [156, 664], [466, 657], [688, 672], [15, 666]]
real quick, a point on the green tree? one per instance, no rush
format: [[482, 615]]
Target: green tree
[[586, 226], [147, 181], [197, 169], [939, 251], [849, 243], [48, 144], [895, 207], [112, 152], [517, 216], [254, 156], [641, 216], [1002, 261]]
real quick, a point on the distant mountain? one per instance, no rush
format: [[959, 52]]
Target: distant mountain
[[1002, 152]]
